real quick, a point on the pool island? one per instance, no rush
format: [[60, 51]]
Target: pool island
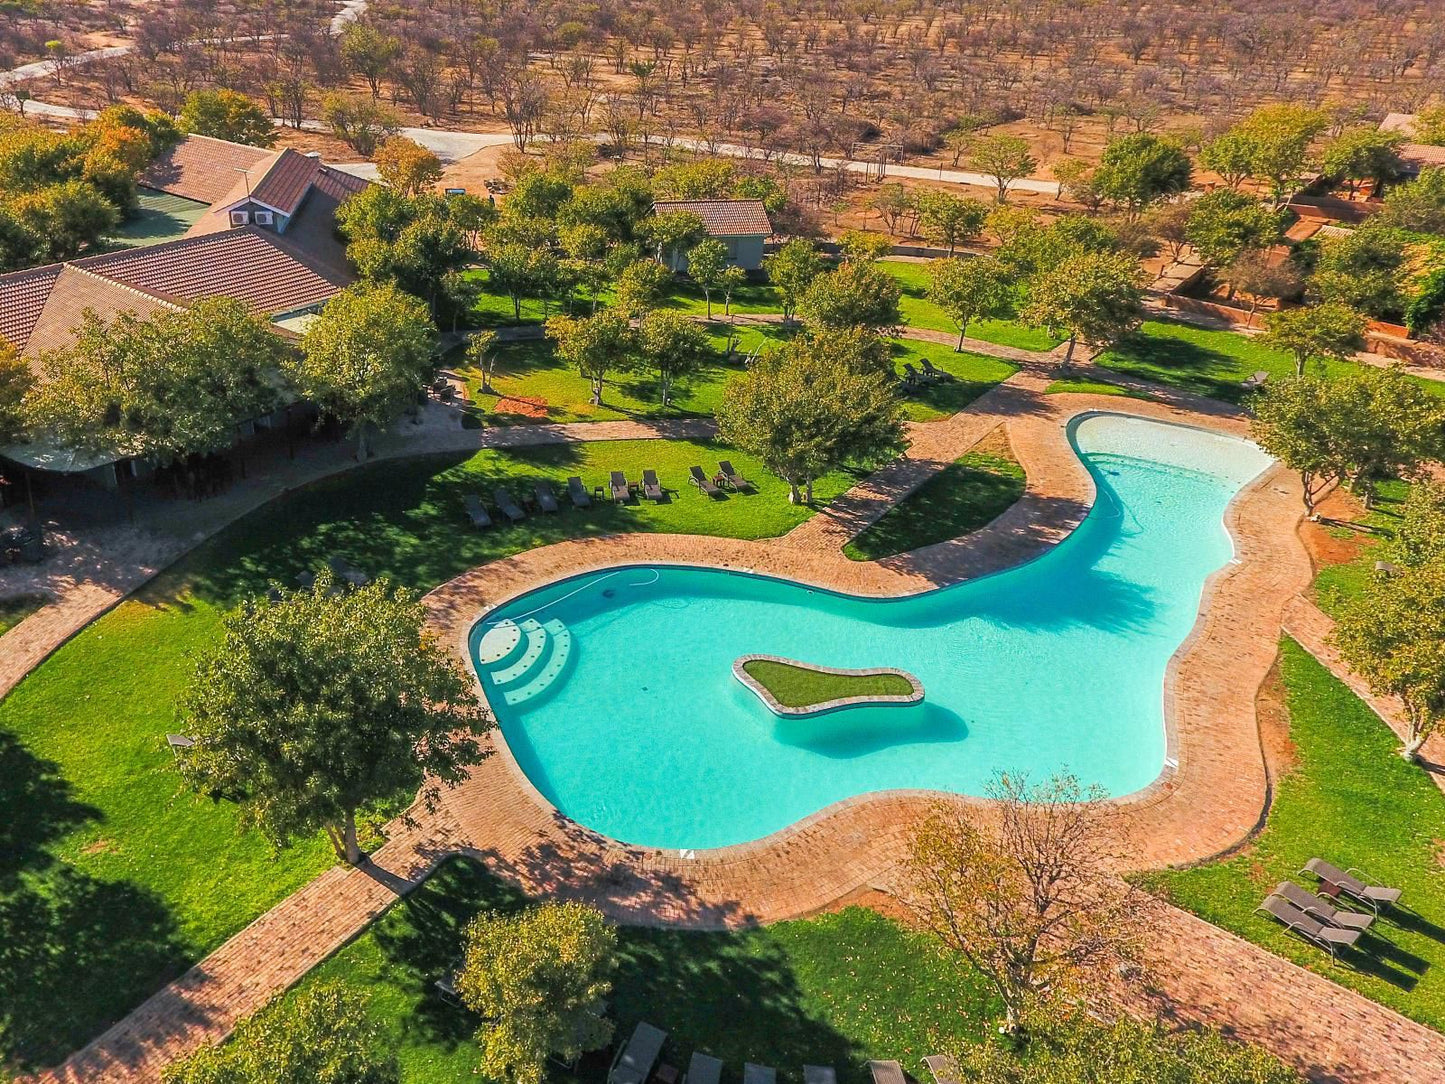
[[789, 687]]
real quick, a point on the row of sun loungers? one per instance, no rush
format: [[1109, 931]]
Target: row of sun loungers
[[913, 378], [618, 487], [1316, 918]]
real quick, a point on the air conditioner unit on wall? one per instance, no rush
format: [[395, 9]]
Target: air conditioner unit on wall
[[265, 218], [240, 218]]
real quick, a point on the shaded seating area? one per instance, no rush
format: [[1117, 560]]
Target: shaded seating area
[[703, 1069], [546, 499], [1330, 938], [819, 1074], [477, 511], [507, 505], [619, 487], [887, 1072], [634, 1061], [577, 493], [759, 1074]]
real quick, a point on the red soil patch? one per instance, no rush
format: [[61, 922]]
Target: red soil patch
[[1323, 539], [522, 405]]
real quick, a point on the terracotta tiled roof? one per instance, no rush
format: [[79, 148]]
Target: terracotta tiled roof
[[249, 264], [22, 299], [286, 181], [724, 217], [1423, 154], [203, 169], [76, 292]]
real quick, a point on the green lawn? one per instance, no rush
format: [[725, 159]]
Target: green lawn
[[1350, 800], [17, 608], [962, 497], [1207, 361], [1336, 584], [834, 990], [802, 686], [918, 311], [111, 877]]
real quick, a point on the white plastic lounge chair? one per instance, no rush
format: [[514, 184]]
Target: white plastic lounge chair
[[477, 511], [943, 1067], [703, 1069], [759, 1074], [1354, 883], [1322, 909], [1329, 938], [887, 1072], [634, 1062], [578, 492]]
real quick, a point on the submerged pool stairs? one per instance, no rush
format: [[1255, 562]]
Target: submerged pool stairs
[[522, 660]]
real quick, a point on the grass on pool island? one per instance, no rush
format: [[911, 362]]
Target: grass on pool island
[[1349, 799], [958, 500], [834, 990], [112, 876], [801, 686]]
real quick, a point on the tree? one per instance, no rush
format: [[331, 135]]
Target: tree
[[1420, 536], [1225, 223], [539, 980], [1231, 155], [968, 290], [706, 261], [792, 269], [1295, 421], [162, 388], [369, 53], [1093, 296], [481, 354], [1257, 276], [862, 246], [1418, 207], [1393, 635], [804, 412], [414, 242], [320, 1035], [323, 703], [950, 220], [1424, 314], [1363, 270], [226, 114], [1363, 154], [730, 281], [639, 286], [1005, 158], [671, 346], [594, 345], [1169, 223], [407, 167], [1389, 427], [1141, 169], [361, 123], [67, 217], [1281, 136], [673, 233], [520, 271], [16, 381], [366, 356], [1329, 330], [855, 295], [1031, 897]]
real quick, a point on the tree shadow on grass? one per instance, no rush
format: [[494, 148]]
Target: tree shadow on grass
[[1177, 361]]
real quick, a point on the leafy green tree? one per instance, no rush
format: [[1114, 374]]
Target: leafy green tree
[[16, 381], [968, 290], [1005, 158], [1424, 314], [1420, 537], [1329, 330], [1430, 126], [1257, 276], [803, 411], [1225, 223], [481, 355], [1363, 154], [520, 271], [160, 388], [862, 246], [1364, 271], [320, 1035], [366, 356], [1282, 136], [539, 980], [706, 262], [1231, 155], [318, 706], [594, 345], [792, 269], [706, 178], [1094, 296], [412, 242], [1296, 422], [1389, 427], [1141, 169], [226, 114], [20, 246], [671, 347], [854, 295], [363, 124], [950, 220], [369, 53], [67, 217], [672, 233], [540, 194], [1393, 635], [639, 286], [1418, 207], [407, 166], [730, 281]]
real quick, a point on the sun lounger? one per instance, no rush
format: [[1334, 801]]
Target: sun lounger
[[1254, 381], [1322, 909], [819, 1074], [911, 375], [179, 741], [651, 487], [634, 1062], [1353, 883], [621, 490], [477, 511], [944, 1068], [731, 476], [343, 569], [703, 1069], [932, 371], [447, 987], [759, 1074], [1329, 938], [887, 1072], [578, 492], [696, 476], [508, 506], [546, 499]]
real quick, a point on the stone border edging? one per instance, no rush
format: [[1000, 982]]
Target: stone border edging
[[763, 693]]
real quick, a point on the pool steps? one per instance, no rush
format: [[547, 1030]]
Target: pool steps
[[524, 666]]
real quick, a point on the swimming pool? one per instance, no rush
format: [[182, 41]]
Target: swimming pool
[[615, 692]]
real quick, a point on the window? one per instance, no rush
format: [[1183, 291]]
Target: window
[[240, 218], [265, 218]]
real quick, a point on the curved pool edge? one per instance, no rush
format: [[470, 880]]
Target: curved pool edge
[[1210, 799]]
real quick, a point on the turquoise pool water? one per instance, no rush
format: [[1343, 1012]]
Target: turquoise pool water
[[615, 690]]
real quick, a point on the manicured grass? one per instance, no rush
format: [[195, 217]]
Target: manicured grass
[[1351, 800], [961, 498], [1207, 361], [802, 686], [1336, 584], [835, 990], [1089, 387], [918, 311], [17, 608], [973, 374], [111, 876]]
